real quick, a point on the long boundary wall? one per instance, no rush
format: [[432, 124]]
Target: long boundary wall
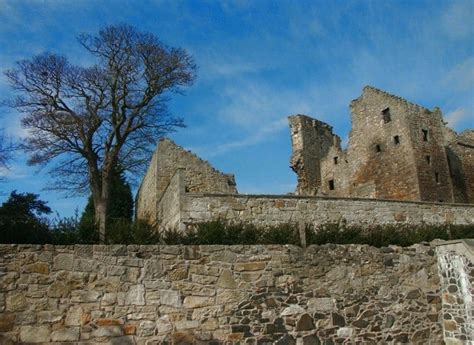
[[277, 209], [137, 295]]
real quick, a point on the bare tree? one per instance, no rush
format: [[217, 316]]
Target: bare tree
[[86, 120], [7, 148]]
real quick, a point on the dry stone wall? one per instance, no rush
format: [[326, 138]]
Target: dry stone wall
[[219, 294]]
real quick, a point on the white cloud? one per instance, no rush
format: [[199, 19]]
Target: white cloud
[[457, 116], [259, 136]]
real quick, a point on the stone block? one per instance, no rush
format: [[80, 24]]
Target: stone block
[[7, 322], [304, 323], [320, 304], [35, 334], [135, 295], [293, 309], [345, 332], [84, 296], [16, 301], [226, 280], [249, 266], [170, 297], [58, 289], [197, 301], [37, 267], [186, 325], [163, 325], [146, 328], [63, 262], [107, 331], [74, 316], [65, 334]]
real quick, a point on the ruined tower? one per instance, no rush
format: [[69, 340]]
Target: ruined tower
[[397, 150]]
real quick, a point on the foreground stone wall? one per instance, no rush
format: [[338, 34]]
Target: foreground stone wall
[[219, 294], [272, 210]]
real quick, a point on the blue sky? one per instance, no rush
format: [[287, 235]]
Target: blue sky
[[260, 61]]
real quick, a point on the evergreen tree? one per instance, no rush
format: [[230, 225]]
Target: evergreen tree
[[119, 213], [22, 219]]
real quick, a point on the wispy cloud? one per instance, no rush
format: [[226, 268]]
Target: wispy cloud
[[262, 134], [455, 117], [457, 22]]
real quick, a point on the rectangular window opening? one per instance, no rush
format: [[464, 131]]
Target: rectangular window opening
[[428, 159], [396, 140], [378, 148], [437, 177], [331, 184], [425, 134], [335, 160], [386, 115]]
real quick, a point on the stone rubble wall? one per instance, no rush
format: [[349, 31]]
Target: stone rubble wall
[[219, 294], [273, 210]]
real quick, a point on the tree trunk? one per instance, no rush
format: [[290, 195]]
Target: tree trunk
[[101, 218]]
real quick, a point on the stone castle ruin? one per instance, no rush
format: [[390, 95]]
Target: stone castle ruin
[[397, 150], [402, 165], [271, 294]]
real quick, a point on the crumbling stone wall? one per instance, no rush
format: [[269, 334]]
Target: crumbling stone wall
[[219, 294], [397, 150], [200, 176], [460, 149]]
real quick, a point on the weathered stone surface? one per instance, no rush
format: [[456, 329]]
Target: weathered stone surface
[[107, 331], [320, 304], [305, 323], [63, 262], [249, 266], [35, 334], [74, 316], [135, 295], [66, 334], [37, 267], [366, 303], [80, 296], [16, 301], [197, 301], [7, 321], [226, 296], [292, 310], [226, 280], [186, 325], [163, 325], [345, 332], [58, 289], [146, 328], [338, 320], [170, 297]]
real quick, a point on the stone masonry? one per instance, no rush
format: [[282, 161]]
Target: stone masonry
[[258, 294], [397, 150]]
